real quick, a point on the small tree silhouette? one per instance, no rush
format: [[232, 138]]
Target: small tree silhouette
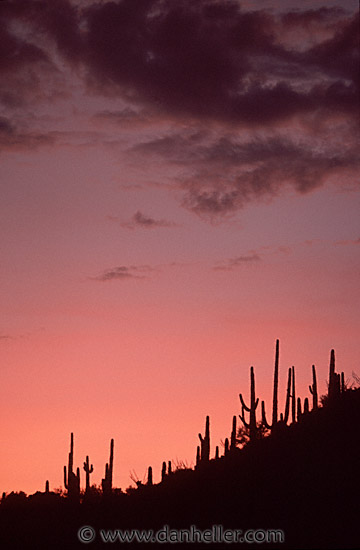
[[243, 434]]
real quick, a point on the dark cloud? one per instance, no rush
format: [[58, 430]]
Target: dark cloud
[[209, 64], [124, 273], [207, 60], [233, 263], [225, 173], [321, 16], [210, 60], [58, 19]]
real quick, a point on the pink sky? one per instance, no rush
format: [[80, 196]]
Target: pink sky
[[172, 202]]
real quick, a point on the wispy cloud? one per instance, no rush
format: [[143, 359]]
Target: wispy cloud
[[11, 138], [234, 263], [126, 118], [146, 222], [123, 273], [252, 257], [348, 242]]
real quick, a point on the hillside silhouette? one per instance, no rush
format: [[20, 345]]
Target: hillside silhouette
[[298, 473]]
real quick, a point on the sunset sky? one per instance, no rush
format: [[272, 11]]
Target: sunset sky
[[179, 188]]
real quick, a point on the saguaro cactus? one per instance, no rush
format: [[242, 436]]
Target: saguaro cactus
[[342, 385], [306, 406], [72, 480], [299, 412], [336, 381], [333, 379], [288, 395], [205, 442], [150, 476], [313, 389], [293, 395], [283, 417], [272, 426], [276, 382], [89, 470], [163, 471], [251, 425], [169, 468], [198, 456], [47, 486], [107, 481], [233, 434]]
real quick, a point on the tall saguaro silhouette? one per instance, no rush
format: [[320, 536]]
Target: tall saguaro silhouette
[[272, 426], [336, 381], [293, 395], [251, 425], [205, 442], [72, 480], [107, 481], [313, 389]]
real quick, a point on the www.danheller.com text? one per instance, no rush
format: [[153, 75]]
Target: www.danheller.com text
[[216, 534]]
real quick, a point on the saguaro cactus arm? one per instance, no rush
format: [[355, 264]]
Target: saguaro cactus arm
[[263, 416], [242, 418]]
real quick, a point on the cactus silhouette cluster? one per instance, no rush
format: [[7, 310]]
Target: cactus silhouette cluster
[[253, 429]]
